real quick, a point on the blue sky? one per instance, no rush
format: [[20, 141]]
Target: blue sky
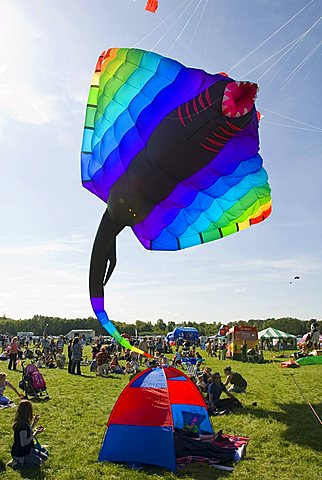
[[48, 50]]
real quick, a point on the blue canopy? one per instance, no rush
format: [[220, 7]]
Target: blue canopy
[[183, 332]]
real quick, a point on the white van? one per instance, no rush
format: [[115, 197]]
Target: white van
[[88, 334]]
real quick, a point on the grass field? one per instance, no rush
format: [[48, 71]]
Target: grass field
[[285, 437]]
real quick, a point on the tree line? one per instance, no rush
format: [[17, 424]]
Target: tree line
[[39, 324]]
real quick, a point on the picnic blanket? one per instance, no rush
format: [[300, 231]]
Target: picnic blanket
[[7, 405], [224, 441]]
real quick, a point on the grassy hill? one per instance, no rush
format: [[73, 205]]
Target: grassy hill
[[285, 437]]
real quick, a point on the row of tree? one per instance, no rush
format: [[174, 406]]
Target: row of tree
[[39, 324]]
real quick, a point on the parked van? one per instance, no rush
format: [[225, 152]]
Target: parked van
[[89, 335]]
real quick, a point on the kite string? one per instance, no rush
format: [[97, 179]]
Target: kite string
[[200, 17], [299, 41], [172, 24], [159, 25], [290, 44], [289, 118], [301, 64], [184, 27], [181, 42], [305, 399], [270, 36], [298, 387], [289, 126]]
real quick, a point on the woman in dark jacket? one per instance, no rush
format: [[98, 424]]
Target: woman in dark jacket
[[76, 356]]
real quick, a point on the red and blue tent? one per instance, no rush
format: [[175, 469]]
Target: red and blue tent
[[141, 426]]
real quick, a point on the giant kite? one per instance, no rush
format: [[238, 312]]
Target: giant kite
[[173, 153]]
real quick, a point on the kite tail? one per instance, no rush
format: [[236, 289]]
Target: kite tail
[[104, 252]]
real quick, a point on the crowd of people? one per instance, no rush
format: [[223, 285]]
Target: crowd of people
[[107, 357]]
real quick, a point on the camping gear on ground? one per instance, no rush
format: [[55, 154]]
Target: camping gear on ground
[[310, 360], [290, 364], [33, 382], [155, 403]]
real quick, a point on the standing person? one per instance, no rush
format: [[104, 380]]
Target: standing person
[[159, 346], [244, 351], [76, 356], [223, 351], [13, 353], [23, 450], [45, 345], [151, 347], [209, 348], [238, 383], [69, 353], [143, 345], [60, 343], [52, 348]]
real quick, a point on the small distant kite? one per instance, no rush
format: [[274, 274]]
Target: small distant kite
[[295, 278], [152, 5]]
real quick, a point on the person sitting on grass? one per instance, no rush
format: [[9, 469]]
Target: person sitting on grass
[[164, 361], [135, 365], [128, 370], [28, 354], [23, 451], [3, 384], [216, 388], [238, 383], [177, 358], [202, 385], [49, 361], [60, 358], [207, 375], [102, 359], [115, 366]]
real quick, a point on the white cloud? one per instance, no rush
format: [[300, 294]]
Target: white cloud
[[73, 244], [23, 104]]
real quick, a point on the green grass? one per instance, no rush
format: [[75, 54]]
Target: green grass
[[285, 437]]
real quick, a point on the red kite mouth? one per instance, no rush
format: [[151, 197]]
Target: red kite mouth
[[238, 99]]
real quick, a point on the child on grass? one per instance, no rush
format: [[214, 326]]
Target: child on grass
[[24, 452], [3, 384]]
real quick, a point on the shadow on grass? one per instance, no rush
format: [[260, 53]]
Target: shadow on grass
[[2, 466], [33, 473], [302, 426], [197, 471]]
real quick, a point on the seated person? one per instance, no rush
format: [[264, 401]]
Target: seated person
[[207, 376], [115, 367], [60, 358], [49, 361], [28, 354], [203, 387], [3, 384], [215, 389], [128, 369], [177, 358], [135, 365], [164, 361], [102, 360], [238, 383], [200, 445]]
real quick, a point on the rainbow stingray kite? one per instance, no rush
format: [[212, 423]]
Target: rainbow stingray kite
[[173, 152]]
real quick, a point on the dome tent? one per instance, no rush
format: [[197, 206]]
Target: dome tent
[[141, 426]]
